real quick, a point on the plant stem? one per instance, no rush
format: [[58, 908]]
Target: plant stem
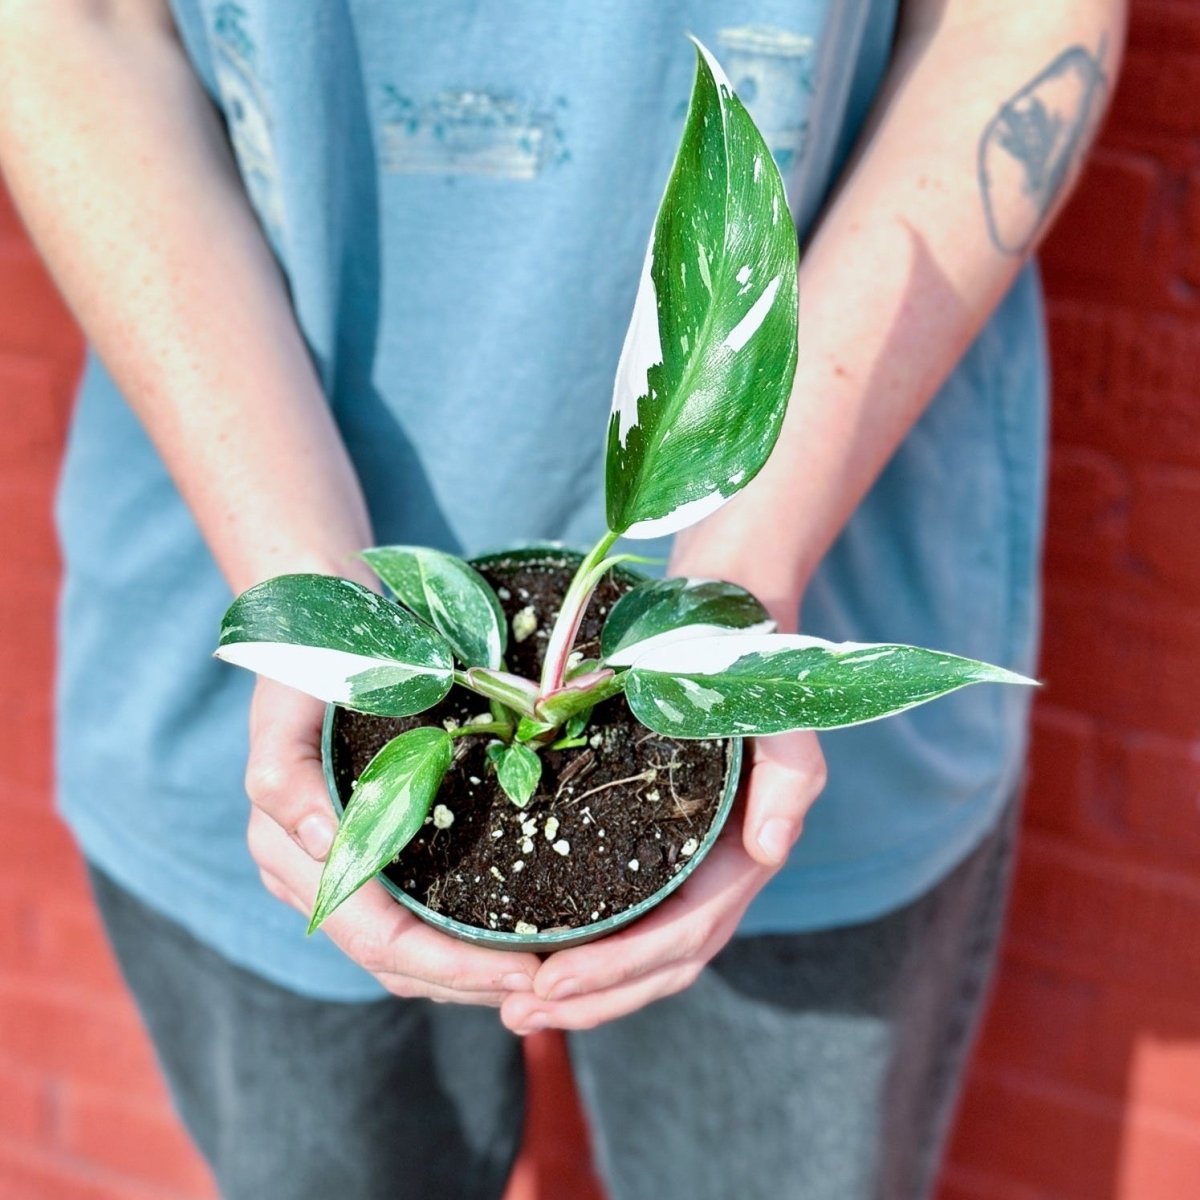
[[493, 728], [562, 637], [512, 691]]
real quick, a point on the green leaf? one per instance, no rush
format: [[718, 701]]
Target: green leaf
[[518, 769], [388, 806], [528, 729], [662, 611], [747, 684], [518, 694], [338, 641], [579, 695], [707, 365], [448, 593], [568, 743], [578, 723]]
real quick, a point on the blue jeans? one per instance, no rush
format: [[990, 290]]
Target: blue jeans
[[815, 1066]]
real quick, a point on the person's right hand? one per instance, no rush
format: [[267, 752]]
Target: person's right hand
[[292, 824]]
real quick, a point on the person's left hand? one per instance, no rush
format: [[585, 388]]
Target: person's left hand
[[665, 951]]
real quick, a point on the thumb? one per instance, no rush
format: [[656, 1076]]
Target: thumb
[[787, 773], [284, 777]]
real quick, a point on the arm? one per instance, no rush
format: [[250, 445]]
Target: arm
[[913, 254], [121, 169]]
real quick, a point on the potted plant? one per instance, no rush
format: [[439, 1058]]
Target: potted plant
[[477, 750]]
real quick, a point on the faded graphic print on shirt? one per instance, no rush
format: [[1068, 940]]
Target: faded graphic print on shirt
[[470, 133], [247, 113], [772, 70]]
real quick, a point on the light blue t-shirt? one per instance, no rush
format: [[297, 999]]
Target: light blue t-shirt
[[460, 196]]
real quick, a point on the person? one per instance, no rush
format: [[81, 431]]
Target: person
[[358, 273]]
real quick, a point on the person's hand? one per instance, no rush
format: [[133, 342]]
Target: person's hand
[[291, 827], [666, 950]]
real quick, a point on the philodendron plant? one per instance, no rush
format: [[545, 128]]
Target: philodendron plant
[[701, 389]]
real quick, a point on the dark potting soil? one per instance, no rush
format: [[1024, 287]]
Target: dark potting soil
[[609, 824]]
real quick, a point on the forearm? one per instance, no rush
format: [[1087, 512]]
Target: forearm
[[121, 169], [912, 256]]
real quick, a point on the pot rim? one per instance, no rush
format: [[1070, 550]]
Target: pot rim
[[557, 938]]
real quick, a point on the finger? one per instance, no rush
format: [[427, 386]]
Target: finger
[[787, 774], [692, 924], [381, 936], [526, 1013], [284, 777], [281, 891]]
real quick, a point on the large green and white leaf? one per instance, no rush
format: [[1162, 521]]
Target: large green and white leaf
[[709, 358], [338, 641], [749, 684], [448, 593], [660, 612], [518, 770], [389, 804]]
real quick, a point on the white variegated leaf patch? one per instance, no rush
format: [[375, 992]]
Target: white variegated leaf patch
[[518, 770], [710, 354], [338, 641], [387, 808], [662, 612], [450, 595], [756, 684]]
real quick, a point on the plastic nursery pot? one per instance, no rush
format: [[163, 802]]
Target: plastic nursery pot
[[558, 938]]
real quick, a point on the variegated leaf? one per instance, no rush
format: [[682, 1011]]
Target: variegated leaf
[[388, 806], [663, 611], [709, 358], [748, 684], [338, 641], [448, 593], [518, 770]]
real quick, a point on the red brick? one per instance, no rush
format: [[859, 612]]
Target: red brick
[[555, 1158], [1097, 1037], [144, 1142], [1062, 771], [70, 947], [1164, 528], [959, 1183], [33, 318], [41, 855], [27, 538], [1102, 920], [31, 1173], [27, 654], [1038, 1139], [26, 741], [1113, 208], [76, 1037], [25, 1107], [36, 392], [1056, 1141], [17, 921], [1130, 663], [1087, 528], [1159, 83], [11, 229], [1190, 264], [1154, 785], [1125, 383]]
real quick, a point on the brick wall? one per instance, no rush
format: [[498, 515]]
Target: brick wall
[[1086, 1085], [1087, 1081]]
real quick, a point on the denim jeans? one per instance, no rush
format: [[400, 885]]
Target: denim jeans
[[814, 1066]]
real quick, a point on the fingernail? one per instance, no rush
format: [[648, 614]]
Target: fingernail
[[316, 836], [517, 982], [562, 989], [775, 839], [534, 1023]]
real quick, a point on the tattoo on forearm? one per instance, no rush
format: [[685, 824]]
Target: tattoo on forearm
[[1032, 144]]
